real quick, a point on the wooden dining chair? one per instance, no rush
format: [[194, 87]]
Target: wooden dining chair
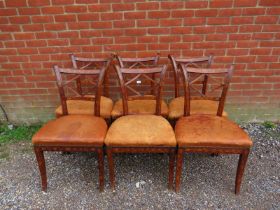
[[73, 133], [82, 84], [145, 133], [200, 105], [208, 133], [144, 104]]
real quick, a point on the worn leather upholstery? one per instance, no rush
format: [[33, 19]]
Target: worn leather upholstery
[[176, 107], [210, 130], [140, 130], [139, 107], [87, 107], [72, 130]]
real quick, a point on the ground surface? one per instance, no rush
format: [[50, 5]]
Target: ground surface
[[207, 182]]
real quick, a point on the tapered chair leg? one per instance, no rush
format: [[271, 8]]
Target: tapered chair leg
[[111, 168], [42, 166], [171, 169], [101, 168], [179, 165], [240, 170]]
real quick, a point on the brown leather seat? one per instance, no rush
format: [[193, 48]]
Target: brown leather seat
[[87, 107], [176, 107], [210, 130], [142, 106], [140, 130], [72, 130]]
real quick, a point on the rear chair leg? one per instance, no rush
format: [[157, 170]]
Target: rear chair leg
[[111, 168], [179, 165], [42, 166], [171, 169], [101, 168], [240, 170]]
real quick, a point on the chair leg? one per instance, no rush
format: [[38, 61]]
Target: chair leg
[[111, 168], [101, 168], [179, 165], [240, 170], [171, 169], [42, 166]]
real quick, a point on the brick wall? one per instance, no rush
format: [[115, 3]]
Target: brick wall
[[36, 34]]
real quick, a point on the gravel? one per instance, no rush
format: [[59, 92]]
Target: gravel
[[207, 182]]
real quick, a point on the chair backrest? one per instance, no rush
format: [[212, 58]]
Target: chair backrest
[[198, 62], [65, 78], [91, 63], [138, 63], [128, 75], [221, 78]]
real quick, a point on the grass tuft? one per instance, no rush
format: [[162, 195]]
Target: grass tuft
[[268, 124], [9, 133]]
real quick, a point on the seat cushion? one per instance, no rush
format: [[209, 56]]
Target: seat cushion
[[87, 107], [140, 130], [72, 130], [210, 130], [139, 106], [176, 107]]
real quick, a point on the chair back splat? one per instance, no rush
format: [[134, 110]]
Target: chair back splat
[[199, 62], [65, 78], [221, 79], [91, 63], [129, 75]]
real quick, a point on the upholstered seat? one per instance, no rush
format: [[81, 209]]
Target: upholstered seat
[[210, 130], [142, 106], [72, 130], [140, 130], [87, 107], [176, 107]]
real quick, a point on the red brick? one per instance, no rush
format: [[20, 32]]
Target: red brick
[[170, 22], [182, 13], [218, 21], [28, 11], [221, 4], [37, 3], [267, 58], [7, 51], [147, 23], [245, 59], [135, 32], [147, 39], [55, 27], [112, 16], [223, 45], [17, 58], [8, 12], [78, 25], [193, 38], [100, 25], [229, 12], [136, 47], [206, 13], [46, 35], [270, 44], [19, 19], [196, 4], [36, 43], [158, 47], [79, 41], [181, 30], [169, 39], [42, 19], [52, 10], [15, 3], [102, 41], [62, 2], [273, 11], [124, 24], [266, 19], [58, 42], [147, 6], [245, 3], [172, 5], [75, 9], [237, 52], [253, 11], [4, 36], [194, 21], [90, 33], [125, 40], [269, 3], [27, 51], [134, 15], [239, 36], [65, 18], [68, 34], [204, 29], [260, 51], [159, 14], [216, 37], [14, 44], [250, 28], [203, 45], [247, 44], [33, 27], [257, 66], [49, 50], [24, 36], [88, 17], [242, 20], [271, 28], [4, 20], [99, 8], [122, 7]]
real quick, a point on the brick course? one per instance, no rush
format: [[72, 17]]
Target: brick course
[[38, 34]]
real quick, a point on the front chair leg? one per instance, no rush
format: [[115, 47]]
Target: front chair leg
[[101, 168], [171, 169], [179, 165], [240, 170], [42, 166], [111, 167]]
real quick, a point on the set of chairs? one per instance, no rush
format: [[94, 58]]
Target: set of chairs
[[141, 121]]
